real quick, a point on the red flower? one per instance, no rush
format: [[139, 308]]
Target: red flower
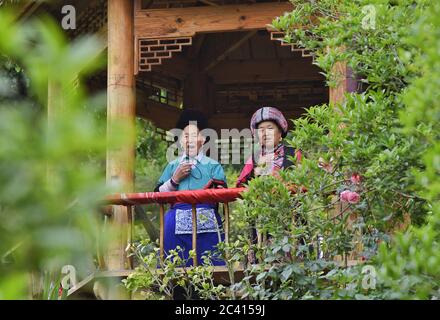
[[350, 196], [298, 155], [355, 178]]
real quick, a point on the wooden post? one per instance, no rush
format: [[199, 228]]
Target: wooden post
[[194, 233], [130, 238], [161, 234], [121, 102], [226, 214], [346, 82], [137, 5], [54, 106]]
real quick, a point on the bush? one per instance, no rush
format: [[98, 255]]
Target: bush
[[370, 163], [51, 171]]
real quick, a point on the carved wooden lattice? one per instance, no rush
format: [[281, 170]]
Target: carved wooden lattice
[[152, 51], [279, 36]]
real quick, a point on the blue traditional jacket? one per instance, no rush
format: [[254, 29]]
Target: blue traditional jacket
[[203, 170]]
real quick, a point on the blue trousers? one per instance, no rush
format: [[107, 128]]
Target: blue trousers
[[206, 241]]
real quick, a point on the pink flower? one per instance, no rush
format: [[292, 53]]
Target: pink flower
[[60, 291], [350, 196], [298, 156], [355, 178]]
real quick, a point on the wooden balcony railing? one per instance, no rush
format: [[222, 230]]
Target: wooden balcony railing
[[192, 197]]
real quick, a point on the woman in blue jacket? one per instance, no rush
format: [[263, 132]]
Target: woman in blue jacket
[[192, 171]]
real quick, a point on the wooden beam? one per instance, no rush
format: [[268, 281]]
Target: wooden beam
[[248, 107], [121, 103], [241, 120], [165, 117], [265, 70], [209, 3], [182, 22], [229, 50], [162, 115]]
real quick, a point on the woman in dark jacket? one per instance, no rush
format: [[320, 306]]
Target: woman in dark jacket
[[270, 126]]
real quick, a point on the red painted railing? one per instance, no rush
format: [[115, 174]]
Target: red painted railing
[[192, 197]]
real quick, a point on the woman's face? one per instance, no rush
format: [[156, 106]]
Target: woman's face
[[269, 134], [192, 141]]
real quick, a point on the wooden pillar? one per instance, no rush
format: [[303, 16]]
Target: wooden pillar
[[54, 106], [162, 231], [54, 99], [198, 92], [121, 102], [226, 215], [346, 82]]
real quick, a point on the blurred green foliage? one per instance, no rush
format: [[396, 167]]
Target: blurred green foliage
[[389, 137], [51, 172], [410, 266]]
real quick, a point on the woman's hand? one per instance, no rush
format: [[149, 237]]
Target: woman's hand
[[182, 172]]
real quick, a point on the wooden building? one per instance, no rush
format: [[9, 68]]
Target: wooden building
[[217, 56]]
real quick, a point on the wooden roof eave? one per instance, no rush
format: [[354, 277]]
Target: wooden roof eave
[[186, 22]]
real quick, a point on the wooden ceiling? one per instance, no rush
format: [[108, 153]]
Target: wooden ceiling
[[230, 75]]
